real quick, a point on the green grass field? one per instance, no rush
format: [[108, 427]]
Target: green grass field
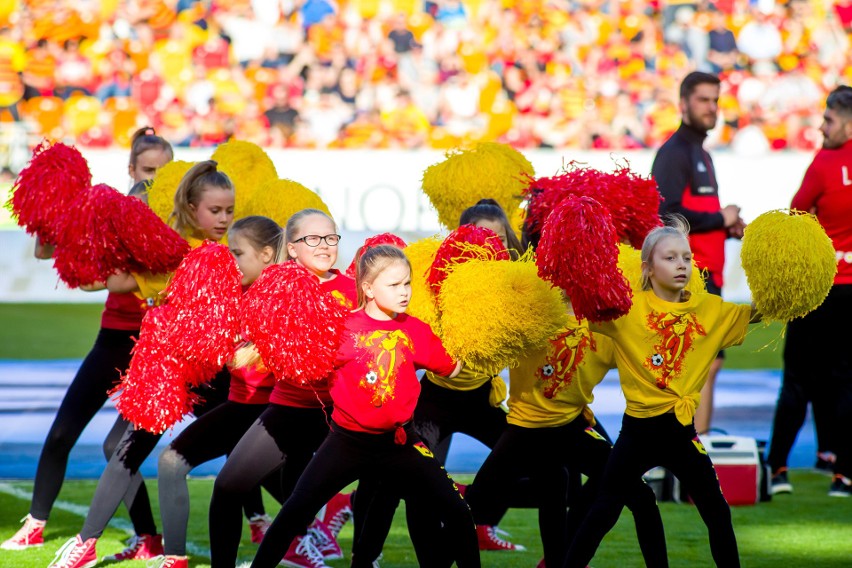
[[806, 529]]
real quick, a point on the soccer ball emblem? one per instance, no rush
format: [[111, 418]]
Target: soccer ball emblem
[[657, 360], [372, 377], [547, 370]]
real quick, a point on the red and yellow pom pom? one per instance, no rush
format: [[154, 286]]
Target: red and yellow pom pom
[[374, 241], [161, 194], [423, 304], [488, 170], [278, 199], [156, 248], [294, 324], [578, 253], [44, 189], [465, 243], [249, 168]]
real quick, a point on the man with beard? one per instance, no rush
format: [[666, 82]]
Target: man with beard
[[817, 359], [686, 180]]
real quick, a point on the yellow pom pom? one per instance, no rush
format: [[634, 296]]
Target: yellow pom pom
[[630, 263], [789, 263], [161, 194], [488, 170], [278, 199], [423, 305], [495, 312], [248, 166]]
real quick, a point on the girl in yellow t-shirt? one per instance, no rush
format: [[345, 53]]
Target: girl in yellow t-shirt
[[550, 428], [663, 349]]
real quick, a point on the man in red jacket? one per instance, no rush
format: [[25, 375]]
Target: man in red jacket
[[817, 358], [686, 180]]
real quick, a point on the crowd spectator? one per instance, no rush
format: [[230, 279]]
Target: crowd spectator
[[317, 73]]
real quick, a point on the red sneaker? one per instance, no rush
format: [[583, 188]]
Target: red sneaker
[[31, 534], [140, 547], [76, 554], [258, 525], [324, 540], [338, 511], [490, 540], [303, 553], [169, 562]]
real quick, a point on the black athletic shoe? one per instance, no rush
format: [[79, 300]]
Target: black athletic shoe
[[780, 483]]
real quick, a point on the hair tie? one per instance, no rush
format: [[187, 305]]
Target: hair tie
[[150, 132]]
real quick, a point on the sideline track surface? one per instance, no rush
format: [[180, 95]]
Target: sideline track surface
[[30, 393]]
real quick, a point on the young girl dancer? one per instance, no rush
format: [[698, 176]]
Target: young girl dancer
[[375, 390], [446, 406], [664, 348], [87, 392], [294, 425], [204, 209], [256, 242], [551, 427]]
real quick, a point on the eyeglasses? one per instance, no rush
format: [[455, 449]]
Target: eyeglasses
[[314, 240]]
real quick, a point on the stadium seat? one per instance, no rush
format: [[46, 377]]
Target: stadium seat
[[46, 113], [81, 114]]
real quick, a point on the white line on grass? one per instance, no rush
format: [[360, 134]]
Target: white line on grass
[[82, 511]]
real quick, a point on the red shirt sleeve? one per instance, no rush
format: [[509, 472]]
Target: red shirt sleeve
[[812, 186], [430, 353]]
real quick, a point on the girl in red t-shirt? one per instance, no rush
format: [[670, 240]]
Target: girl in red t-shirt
[[375, 390], [256, 242], [87, 393], [294, 424]]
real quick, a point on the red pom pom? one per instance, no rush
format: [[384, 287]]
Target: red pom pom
[[44, 189], [633, 201], [204, 297], [578, 253], [150, 244], [153, 394], [184, 342], [374, 241], [103, 231], [465, 243], [294, 324]]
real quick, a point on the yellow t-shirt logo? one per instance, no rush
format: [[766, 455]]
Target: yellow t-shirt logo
[[426, 452]]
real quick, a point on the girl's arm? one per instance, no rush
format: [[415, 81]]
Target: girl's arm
[[455, 373], [43, 251], [94, 287], [122, 283]]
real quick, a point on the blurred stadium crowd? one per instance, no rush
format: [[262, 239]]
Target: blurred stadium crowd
[[580, 74]]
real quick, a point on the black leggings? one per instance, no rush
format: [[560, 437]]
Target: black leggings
[[543, 454], [440, 412], [281, 435], [645, 443], [87, 393], [409, 469], [117, 480], [817, 369], [213, 435]]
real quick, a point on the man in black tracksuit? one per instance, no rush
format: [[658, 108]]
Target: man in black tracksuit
[[686, 180]]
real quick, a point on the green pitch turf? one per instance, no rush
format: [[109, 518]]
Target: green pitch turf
[[67, 331], [805, 529]]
